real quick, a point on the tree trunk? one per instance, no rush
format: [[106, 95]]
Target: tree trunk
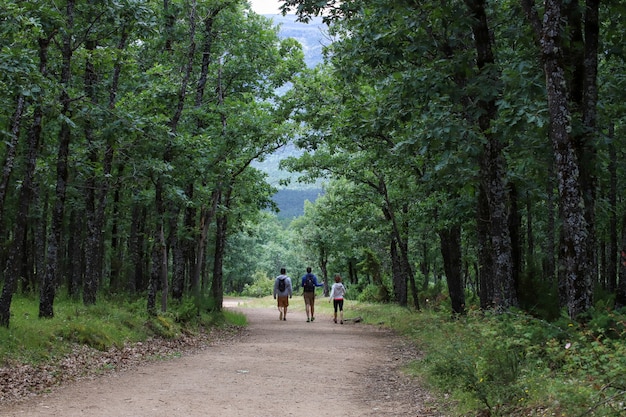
[[11, 150], [50, 278], [485, 260], [450, 240], [549, 249], [206, 218], [575, 262], [92, 247], [16, 258], [217, 284], [493, 166], [612, 264], [137, 247], [515, 226], [620, 293]]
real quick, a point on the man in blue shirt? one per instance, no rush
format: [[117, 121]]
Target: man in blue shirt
[[309, 283]]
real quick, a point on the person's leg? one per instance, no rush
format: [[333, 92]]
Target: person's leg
[[313, 307], [285, 308], [280, 311], [307, 305], [335, 304], [340, 311]]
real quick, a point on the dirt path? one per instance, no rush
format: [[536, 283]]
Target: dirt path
[[278, 368]]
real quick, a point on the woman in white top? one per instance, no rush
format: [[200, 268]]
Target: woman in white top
[[337, 291]]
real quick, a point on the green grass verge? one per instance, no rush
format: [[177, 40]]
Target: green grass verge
[[108, 323]]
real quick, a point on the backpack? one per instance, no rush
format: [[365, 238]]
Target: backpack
[[281, 284], [309, 284]]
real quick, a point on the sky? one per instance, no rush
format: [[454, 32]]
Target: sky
[[265, 6]]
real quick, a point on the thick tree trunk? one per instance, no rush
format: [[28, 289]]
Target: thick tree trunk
[[493, 167], [576, 265], [450, 240]]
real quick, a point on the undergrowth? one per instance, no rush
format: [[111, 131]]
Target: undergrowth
[[107, 324], [513, 364]]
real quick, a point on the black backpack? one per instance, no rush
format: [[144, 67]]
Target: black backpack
[[309, 284], [281, 284]]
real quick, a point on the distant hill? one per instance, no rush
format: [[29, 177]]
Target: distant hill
[[290, 200], [312, 36]]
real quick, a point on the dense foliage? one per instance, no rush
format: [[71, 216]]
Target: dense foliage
[[482, 140], [130, 129]]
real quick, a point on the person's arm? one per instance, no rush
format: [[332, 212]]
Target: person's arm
[[318, 284], [289, 287], [275, 287]]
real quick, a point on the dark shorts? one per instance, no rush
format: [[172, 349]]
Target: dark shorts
[[338, 304]]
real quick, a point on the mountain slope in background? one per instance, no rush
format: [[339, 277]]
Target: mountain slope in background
[[290, 199], [312, 36]]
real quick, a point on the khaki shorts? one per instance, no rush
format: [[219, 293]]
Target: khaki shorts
[[283, 301], [309, 298]]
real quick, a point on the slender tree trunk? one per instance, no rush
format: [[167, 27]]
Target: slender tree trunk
[[206, 218], [485, 260], [17, 253], [549, 249], [403, 267], [515, 226], [217, 284], [11, 150], [620, 293], [137, 248], [612, 264], [92, 247], [50, 278], [75, 243]]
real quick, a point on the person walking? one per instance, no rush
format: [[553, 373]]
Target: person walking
[[282, 291], [337, 291], [309, 283]]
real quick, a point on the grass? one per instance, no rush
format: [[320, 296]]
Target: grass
[[513, 364], [109, 323]]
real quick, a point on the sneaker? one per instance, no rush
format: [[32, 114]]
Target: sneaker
[[280, 316], [307, 320], [341, 322], [312, 318], [335, 320]]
